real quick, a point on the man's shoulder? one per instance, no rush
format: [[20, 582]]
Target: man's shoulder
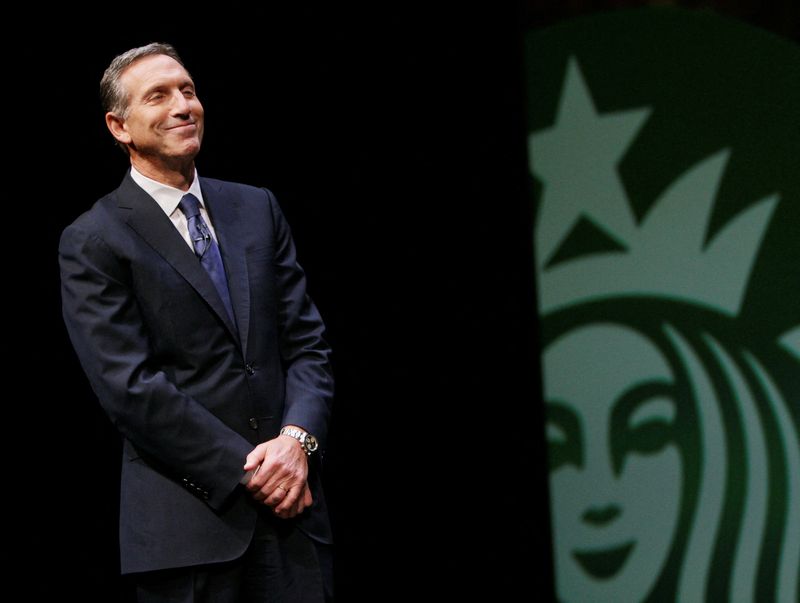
[[99, 213], [105, 219]]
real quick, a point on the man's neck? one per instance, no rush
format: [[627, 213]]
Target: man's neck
[[179, 175]]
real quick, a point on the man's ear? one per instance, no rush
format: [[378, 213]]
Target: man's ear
[[116, 125]]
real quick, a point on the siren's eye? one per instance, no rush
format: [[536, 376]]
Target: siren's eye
[[643, 420], [564, 440]]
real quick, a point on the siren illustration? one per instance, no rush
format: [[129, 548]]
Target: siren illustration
[[673, 428]]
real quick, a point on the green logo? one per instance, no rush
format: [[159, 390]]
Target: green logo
[[664, 149]]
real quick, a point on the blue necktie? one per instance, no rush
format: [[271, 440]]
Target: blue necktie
[[205, 247]]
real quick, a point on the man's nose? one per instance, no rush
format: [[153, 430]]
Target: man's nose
[[180, 104]]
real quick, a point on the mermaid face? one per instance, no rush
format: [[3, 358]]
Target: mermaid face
[[615, 470]]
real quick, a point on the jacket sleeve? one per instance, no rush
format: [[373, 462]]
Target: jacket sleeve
[[104, 323], [304, 352]]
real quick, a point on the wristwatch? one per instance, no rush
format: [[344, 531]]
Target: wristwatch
[[307, 441]]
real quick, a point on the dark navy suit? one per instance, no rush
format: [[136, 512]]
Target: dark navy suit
[[191, 393]]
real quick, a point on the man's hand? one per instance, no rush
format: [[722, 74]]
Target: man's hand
[[279, 481]]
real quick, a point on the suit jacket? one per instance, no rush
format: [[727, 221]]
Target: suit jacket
[[191, 393]]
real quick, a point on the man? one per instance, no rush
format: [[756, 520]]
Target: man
[[186, 306]]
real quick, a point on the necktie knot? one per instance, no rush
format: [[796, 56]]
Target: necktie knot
[[198, 230], [190, 206]]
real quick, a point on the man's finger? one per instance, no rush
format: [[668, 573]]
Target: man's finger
[[255, 458], [290, 508], [292, 494], [258, 481]]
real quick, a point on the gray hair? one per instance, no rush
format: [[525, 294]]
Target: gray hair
[[112, 94]]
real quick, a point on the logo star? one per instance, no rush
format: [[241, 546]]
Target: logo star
[[577, 160]]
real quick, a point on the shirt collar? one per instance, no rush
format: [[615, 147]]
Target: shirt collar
[[166, 196]]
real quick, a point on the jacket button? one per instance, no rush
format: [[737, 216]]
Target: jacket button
[[249, 369], [253, 423]]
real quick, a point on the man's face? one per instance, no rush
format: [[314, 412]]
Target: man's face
[[165, 118]]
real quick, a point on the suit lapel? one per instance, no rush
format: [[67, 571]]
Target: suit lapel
[[226, 216], [152, 224]]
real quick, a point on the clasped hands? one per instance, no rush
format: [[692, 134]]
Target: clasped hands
[[280, 478]]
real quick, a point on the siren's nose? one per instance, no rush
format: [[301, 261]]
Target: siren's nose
[[600, 516]]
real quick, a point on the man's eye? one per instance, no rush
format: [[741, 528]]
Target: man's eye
[[188, 93]]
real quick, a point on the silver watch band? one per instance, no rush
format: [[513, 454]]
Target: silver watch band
[[307, 441]]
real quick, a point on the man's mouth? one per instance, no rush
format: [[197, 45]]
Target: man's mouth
[[603, 564]]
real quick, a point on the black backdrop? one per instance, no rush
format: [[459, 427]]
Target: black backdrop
[[395, 142], [394, 139]]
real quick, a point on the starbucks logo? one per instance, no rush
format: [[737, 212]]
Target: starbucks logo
[[667, 246]]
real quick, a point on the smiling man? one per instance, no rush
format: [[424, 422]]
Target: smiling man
[[189, 313]]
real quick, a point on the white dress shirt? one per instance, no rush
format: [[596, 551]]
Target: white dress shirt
[[168, 199]]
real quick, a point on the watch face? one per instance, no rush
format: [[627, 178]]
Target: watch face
[[311, 443]]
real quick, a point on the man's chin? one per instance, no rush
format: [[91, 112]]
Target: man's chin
[[173, 155], [185, 153], [183, 144]]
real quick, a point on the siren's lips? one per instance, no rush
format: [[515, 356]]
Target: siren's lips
[[605, 563]]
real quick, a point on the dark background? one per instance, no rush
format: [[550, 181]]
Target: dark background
[[394, 139]]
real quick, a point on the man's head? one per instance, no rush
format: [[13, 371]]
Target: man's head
[[151, 106]]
